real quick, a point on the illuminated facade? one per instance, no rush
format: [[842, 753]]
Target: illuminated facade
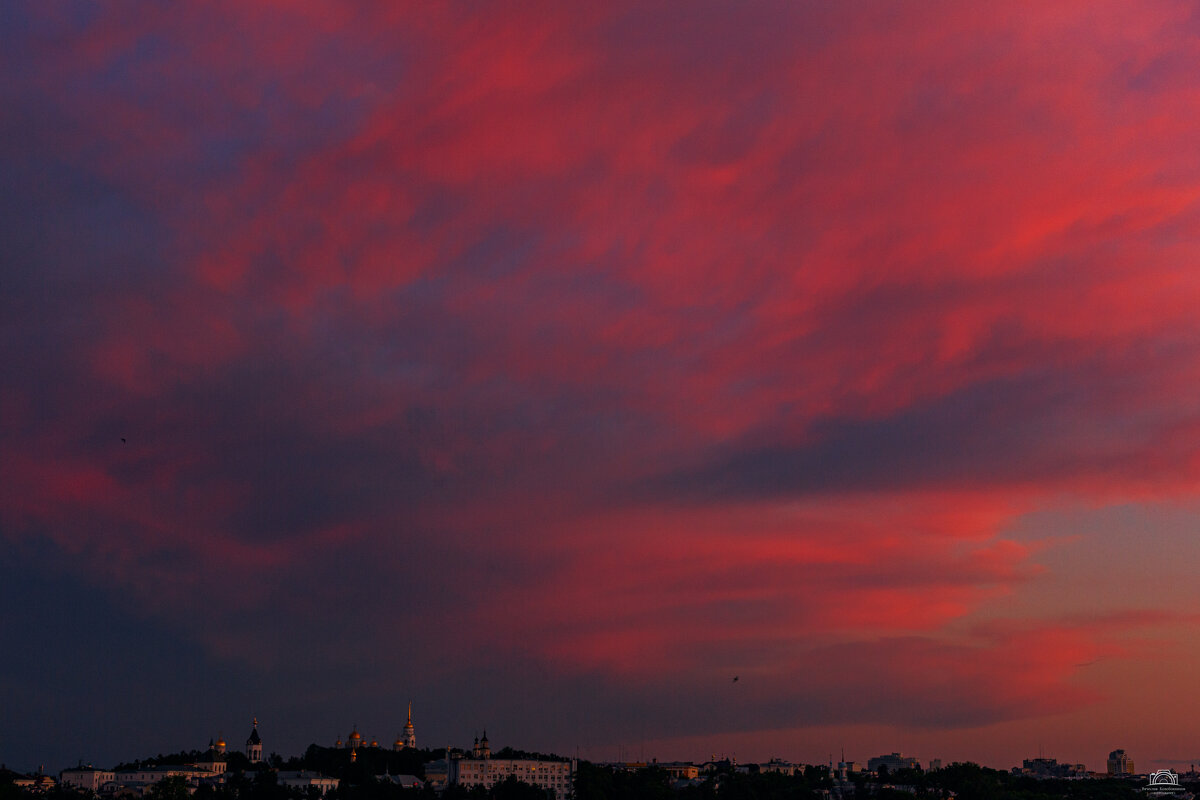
[[1119, 763], [555, 776], [679, 770], [409, 738], [86, 778]]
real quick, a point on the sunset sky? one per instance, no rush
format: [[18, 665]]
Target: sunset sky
[[550, 365]]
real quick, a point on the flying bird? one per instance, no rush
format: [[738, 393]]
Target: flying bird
[[122, 440], [735, 678]]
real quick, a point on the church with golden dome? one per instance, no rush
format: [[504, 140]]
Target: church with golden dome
[[214, 757], [404, 740]]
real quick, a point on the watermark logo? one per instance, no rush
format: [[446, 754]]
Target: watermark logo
[[1163, 783]]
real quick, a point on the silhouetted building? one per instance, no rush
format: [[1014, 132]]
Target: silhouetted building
[[213, 759], [403, 781], [254, 745], [1050, 768], [303, 779], [481, 749], [776, 765], [893, 762]]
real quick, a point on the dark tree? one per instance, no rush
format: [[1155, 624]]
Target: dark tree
[[513, 788], [173, 788]]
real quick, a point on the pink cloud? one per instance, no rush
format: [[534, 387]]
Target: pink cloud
[[684, 337]]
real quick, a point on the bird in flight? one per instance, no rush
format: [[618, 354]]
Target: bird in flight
[[122, 440], [735, 678]]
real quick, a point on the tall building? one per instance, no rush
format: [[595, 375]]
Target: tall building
[[1119, 763], [254, 745]]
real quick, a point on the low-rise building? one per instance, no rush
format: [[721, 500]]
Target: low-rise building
[[437, 773], [37, 783], [136, 781], [304, 779], [1050, 768], [780, 766], [893, 762], [140, 776], [680, 770], [86, 778]]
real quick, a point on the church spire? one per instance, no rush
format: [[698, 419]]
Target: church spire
[[410, 735], [254, 744]]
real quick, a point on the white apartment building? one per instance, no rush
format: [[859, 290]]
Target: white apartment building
[[147, 776], [558, 776], [86, 778], [139, 779]]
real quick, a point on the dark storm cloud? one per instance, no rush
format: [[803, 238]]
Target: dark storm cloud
[[1016, 431]]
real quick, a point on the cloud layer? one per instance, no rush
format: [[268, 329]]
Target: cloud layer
[[631, 348]]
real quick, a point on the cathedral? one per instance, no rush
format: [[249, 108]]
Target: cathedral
[[404, 740]]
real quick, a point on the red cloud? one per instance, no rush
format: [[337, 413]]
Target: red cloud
[[733, 339]]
